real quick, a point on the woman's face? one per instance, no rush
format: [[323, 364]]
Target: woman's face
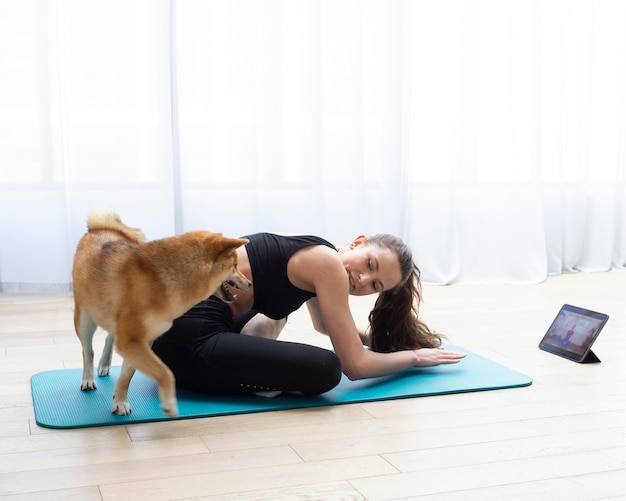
[[371, 269]]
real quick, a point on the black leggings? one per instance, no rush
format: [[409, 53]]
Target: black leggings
[[206, 353]]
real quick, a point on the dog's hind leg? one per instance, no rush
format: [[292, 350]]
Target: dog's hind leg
[[107, 354], [85, 328]]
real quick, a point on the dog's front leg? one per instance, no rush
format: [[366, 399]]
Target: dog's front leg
[[143, 358], [133, 342], [120, 405]]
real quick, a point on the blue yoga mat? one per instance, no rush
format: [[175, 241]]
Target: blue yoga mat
[[60, 403]]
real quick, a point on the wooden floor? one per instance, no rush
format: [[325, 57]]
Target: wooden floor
[[563, 437]]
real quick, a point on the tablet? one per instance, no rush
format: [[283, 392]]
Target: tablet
[[572, 333]]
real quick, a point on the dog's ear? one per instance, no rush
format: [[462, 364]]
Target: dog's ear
[[219, 245]]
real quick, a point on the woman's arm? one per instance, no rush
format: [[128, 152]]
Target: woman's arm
[[313, 306], [318, 322], [324, 272]]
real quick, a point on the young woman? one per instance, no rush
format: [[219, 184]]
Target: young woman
[[207, 351]]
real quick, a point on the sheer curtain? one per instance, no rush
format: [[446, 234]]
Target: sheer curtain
[[490, 135], [518, 139]]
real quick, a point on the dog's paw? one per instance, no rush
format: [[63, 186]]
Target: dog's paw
[[103, 370], [121, 408], [88, 385], [170, 407]]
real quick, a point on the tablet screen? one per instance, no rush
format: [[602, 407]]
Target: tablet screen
[[572, 332]]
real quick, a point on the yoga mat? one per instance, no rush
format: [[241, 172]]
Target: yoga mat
[[60, 403]]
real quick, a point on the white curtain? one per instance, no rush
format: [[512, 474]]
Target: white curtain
[[490, 134]]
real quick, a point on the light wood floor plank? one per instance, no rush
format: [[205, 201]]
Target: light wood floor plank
[[246, 481], [81, 494], [336, 491], [451, 479], [611, 444], [100, 454], [143, 472]]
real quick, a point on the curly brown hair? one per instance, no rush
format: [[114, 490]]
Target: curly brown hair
[[394, 322]]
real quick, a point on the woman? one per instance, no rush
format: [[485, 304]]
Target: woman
[[207, 352]]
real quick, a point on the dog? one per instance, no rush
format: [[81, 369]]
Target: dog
[[134, 290]]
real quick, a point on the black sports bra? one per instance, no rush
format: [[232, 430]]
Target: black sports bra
[[274, 295]]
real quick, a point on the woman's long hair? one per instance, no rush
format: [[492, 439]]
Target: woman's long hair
[[394, 322]]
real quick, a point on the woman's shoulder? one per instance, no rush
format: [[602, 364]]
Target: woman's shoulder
[[316, 260], [312, 263]]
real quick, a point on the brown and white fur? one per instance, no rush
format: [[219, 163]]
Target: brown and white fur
[[134, 289]]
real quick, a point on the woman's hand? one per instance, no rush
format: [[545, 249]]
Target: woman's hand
[[427, 357]]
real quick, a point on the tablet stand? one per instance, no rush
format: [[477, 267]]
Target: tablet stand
[[590, 358]]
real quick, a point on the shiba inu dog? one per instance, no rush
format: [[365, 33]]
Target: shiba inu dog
[[134, 289]]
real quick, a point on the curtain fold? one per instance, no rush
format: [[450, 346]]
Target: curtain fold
[[490, 134]]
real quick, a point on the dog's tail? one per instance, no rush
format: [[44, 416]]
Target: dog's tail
[[109, 220]]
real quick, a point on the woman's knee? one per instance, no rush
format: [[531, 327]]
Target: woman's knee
[[327, 373], [264, 327]]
